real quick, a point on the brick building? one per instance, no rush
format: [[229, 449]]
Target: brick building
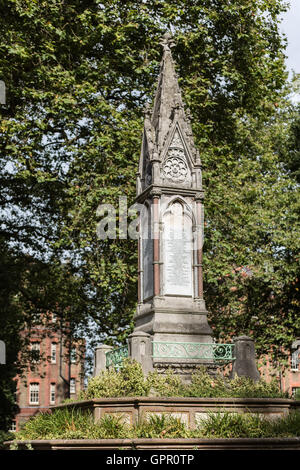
[[289, 377], [55, 373]]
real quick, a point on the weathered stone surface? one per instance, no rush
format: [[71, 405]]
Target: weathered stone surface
[[244, 364], [135, 408], [2, 92], [2, 352], [140, 349], [169, 184], [100, 358], [154, 444]]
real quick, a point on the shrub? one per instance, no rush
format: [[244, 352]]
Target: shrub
[[204, 385], [288, 426], [129, 381], [73, 424], [5, 436], [165, 385], [230, 425], [243, 387], [113, 427]]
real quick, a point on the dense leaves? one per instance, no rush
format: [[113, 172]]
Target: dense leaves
[[78, 75]]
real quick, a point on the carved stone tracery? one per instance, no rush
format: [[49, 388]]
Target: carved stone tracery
[[175, 167]]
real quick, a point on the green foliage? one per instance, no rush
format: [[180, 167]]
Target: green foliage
[[5, 436], [73, 424], [245, 387], [290, 152], [66, 422], [113, 427], [78, 75], [204, 385], [164, 425], [129, 381], [165, 385], [230, 425]]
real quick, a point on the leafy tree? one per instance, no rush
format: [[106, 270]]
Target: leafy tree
[[290, 150], [78, 75]]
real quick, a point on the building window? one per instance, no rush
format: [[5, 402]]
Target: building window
[[13, 426], [34, 392], [72, 385], [295, 361], [53, 353], [73, 356], [52, 394], [35, 351]]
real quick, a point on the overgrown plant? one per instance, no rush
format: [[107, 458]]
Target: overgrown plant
[[163, 425], [71, 424], [248, 425], [130, 381]]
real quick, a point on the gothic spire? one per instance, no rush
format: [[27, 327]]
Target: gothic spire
[[168, 105], [168, 154]]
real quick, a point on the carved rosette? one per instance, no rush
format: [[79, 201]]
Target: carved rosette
[[175, 168]]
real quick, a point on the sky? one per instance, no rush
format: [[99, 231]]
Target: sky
[[290, 26]]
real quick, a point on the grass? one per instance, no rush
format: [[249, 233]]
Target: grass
[[73, 424]]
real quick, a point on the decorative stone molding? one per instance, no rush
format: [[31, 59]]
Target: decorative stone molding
[[175, 168]]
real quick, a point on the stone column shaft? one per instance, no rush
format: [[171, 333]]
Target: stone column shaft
[[139, 271], [199, 253], [156, 254]]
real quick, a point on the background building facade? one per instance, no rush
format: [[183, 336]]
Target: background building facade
[[55, 372]]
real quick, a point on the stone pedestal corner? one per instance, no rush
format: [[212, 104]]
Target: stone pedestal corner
[[244, 364], [100, 358]]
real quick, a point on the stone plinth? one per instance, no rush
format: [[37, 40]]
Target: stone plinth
[[189, 410], [292, 443]]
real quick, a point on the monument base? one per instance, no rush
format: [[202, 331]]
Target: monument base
[[178, 319], [185, 370]]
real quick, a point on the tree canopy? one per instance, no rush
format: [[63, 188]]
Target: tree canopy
[[78, 75]]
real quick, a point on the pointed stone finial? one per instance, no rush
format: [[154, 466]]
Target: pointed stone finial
[[2, 92], [147, 109], [167, 42]]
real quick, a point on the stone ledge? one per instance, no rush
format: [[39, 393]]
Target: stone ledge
[[187, 400], [161, 444], [191, 411]]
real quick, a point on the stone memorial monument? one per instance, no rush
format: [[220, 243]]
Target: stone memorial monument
[[171, 308], [171, 327]]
